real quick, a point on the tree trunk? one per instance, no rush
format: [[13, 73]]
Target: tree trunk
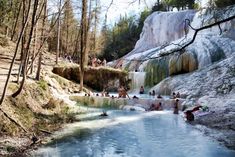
[[95, 27], [58, 34], [42, 39], [34, 49], [46, 38], [76, 43], [83, 43], [15, 53], [87, 32], [25, 59], [16, 21]]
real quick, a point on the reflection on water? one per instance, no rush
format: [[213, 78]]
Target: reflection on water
[[132, 134]]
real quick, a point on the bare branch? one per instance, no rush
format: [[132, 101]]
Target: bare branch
[[179, 50]]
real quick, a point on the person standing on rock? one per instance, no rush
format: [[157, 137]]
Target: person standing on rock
[[104, 63], [176, 106]]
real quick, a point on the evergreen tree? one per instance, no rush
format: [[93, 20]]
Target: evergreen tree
[[224, 3], [68, 31]]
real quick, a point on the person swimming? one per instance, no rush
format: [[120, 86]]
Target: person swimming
[[135, 97], [104, 114]]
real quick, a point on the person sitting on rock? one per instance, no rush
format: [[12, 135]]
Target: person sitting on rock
[[178, 95], [150, 93], [122, 93], [98, 62], [103, 93], [119, 92], [107, 94], [159, 96], [125, 94], [93, 62], [141, 90], [189, 116], [104, 63], [173, 95], [189, 113]]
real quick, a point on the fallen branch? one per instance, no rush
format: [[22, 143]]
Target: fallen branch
[[45, 131], [13, 120]]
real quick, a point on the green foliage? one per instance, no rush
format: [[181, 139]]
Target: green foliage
[[69, 31], [122, 37], [43, 84], [3, 6], [7, 9], [224, 3], [3, 41], [179, 4], [10, 148]]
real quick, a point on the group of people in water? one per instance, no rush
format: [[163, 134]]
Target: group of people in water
[[122, 93]]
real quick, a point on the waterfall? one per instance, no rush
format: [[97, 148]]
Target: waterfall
[[161, 28], [137, 80]]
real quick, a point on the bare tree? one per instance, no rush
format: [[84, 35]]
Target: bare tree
[[35, 36], [27, 51], [45, 39], [15, 52], [42, 39], [83, 43], [96, 23], [16, 21], [58, 34]]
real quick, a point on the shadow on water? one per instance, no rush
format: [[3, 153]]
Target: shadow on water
[[80, 133]]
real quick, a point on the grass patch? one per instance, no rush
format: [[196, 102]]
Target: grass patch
[[3, 41], [43, 84], [10, 149]]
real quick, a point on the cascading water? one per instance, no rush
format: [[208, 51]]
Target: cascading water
[[161, 29], [137, 80]]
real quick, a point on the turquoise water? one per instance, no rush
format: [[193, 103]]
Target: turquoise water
[[132, 134], [142, 96]]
